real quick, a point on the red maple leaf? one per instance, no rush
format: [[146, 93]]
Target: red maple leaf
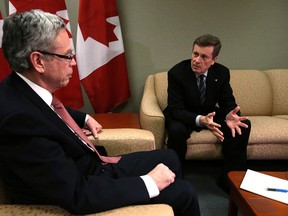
[[93, 20]]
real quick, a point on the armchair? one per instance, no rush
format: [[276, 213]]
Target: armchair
[[116, 141], [262, 96]]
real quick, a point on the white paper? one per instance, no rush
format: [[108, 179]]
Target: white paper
[[258, 183]]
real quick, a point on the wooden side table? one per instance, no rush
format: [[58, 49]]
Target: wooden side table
[[251, 204], [117, 120]]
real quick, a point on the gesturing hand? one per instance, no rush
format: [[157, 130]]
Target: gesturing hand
[[162, 176], [234, 121], [208, 122]]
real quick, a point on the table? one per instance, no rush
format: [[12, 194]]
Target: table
[[117, 120], [252, 204]]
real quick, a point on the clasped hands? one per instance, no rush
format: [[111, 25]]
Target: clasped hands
[[233, 121], [161, 174]]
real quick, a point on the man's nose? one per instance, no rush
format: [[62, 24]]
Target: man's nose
[[73, 62], [196, 59]]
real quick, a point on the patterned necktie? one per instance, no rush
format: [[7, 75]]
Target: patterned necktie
[[63, 113], [202, 88]]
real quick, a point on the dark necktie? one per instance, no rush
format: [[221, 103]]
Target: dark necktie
[[202, 88], [63, 113]]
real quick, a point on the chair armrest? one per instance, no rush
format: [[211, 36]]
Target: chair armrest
[[124, 140], [139, 210], [151, 115], [48, 210], [37, 210]]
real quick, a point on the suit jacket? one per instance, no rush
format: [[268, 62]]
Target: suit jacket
[[43, 162], [184, 96]]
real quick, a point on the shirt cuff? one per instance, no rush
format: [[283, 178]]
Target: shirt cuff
[[197, 121], [151, 186], [86, 118]]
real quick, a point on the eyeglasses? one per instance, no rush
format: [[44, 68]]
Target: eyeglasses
[[69, 57]]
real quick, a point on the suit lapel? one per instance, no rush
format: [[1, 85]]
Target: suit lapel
[[211, 81], [195, 87], [24, 89]]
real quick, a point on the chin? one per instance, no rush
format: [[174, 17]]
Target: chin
[[65, 83]]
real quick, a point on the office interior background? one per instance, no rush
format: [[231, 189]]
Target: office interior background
[[158, 34]]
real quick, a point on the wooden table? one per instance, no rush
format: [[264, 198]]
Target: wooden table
[[252, 204], [117, 120]]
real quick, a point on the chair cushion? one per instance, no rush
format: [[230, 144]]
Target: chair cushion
[[266, 129]]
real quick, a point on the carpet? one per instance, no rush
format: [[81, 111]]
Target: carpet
[[203, 175]]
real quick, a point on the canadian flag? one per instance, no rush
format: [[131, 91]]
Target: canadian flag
[[4, 66], [100, 55], [71, 95]]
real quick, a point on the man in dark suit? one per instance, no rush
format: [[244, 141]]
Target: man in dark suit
[[200, 97], [42, 161]]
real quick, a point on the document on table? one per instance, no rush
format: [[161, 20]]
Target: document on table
[[258, 183]]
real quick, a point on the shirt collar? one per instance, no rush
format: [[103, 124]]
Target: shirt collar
[[205, 74], [43, 93]]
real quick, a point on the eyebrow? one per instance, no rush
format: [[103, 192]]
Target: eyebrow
[[69, 51]]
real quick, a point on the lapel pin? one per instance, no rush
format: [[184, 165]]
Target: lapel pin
[[216, 80]]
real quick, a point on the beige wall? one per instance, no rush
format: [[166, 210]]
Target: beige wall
[[159, 33]]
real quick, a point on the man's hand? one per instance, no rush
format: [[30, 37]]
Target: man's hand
[[92, 127], [162, 176], [234, 121], [208, 122]]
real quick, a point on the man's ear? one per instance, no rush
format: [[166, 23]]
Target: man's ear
[[214, 59], [36, 61]]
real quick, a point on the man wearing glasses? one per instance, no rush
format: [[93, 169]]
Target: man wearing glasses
[[43, 161]]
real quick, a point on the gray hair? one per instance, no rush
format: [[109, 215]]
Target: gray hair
[[26, 32]]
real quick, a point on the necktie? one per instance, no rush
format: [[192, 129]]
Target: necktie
[[63, 113], [202, 88]]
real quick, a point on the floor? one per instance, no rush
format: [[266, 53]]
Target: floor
[[203, 176]]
